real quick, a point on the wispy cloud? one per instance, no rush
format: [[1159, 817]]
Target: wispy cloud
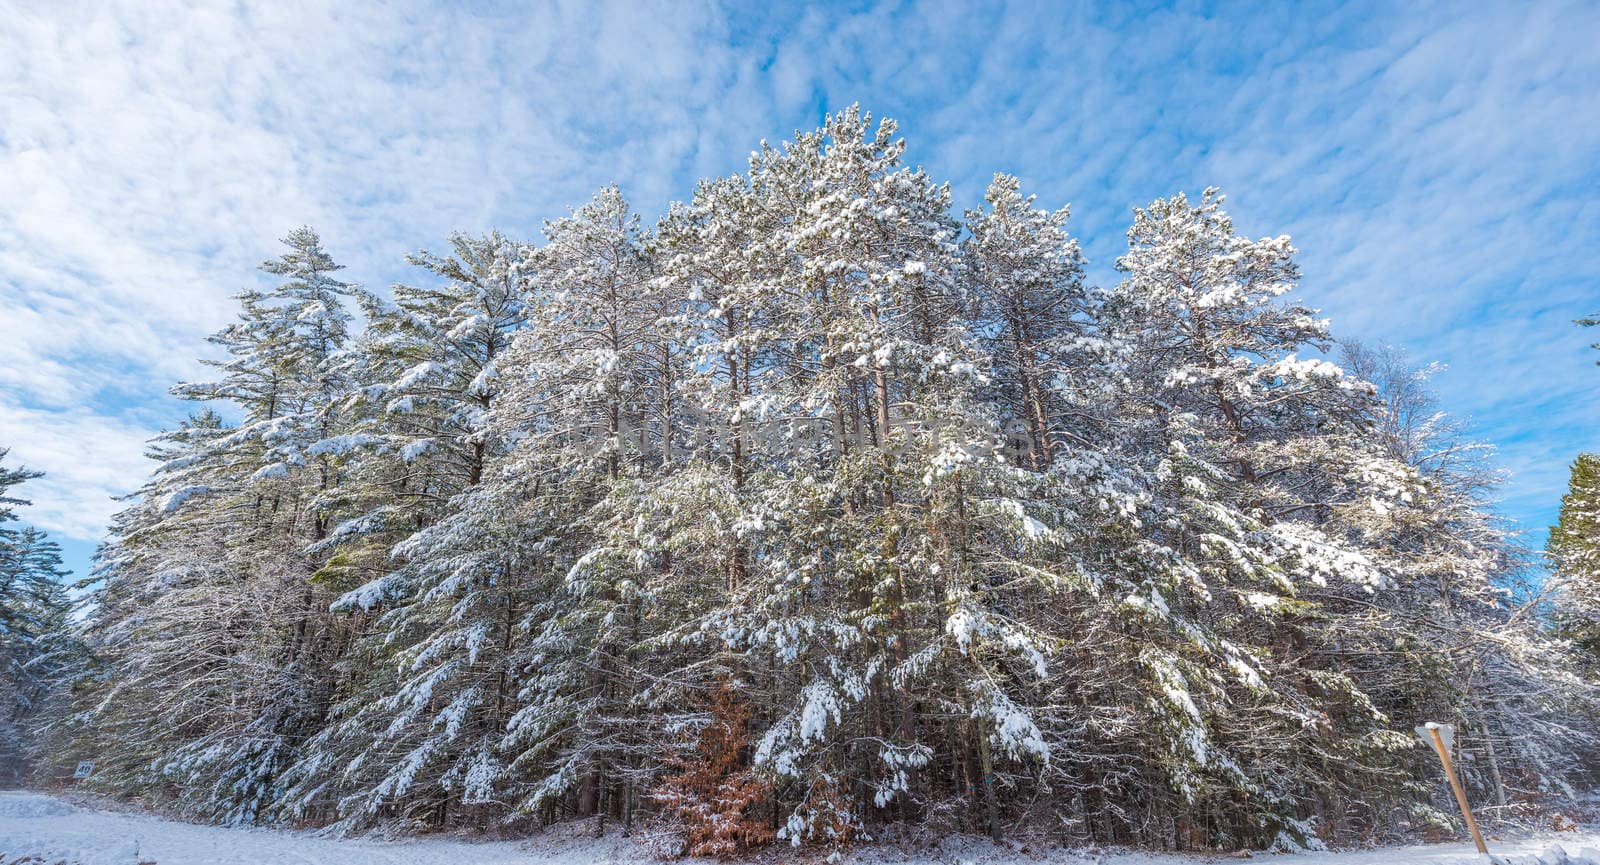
[[1435, 164], [90, 458]]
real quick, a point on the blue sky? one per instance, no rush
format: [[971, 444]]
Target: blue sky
[[1436, 164]]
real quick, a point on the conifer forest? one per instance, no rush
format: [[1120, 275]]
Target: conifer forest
[[810, 510]]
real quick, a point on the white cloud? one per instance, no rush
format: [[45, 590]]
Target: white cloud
[[150, 154], [1435, 166], [87, 459]]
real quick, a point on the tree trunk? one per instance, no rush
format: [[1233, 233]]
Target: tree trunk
[[991, 804]]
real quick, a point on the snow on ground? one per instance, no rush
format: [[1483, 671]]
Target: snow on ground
[[33, 824], [38, 825]]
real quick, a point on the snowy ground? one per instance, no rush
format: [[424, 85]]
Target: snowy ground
[[35, 825]]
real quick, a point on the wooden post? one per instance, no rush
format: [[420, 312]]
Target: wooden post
[[1455, 784]]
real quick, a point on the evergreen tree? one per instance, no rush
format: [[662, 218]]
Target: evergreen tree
[[1574, 550], [1262, 475], [424, 378], [38, 654], [809, 511], [207, 582], [593, 413]]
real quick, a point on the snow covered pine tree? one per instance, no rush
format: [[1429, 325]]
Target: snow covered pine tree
[[811, 510], [40, 656]]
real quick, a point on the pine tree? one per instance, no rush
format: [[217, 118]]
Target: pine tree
[[807, 512], [1263, 475], [595, 371], [1025, 274], [424, 378], [207, 583], [39, 656], [1574, 548]]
